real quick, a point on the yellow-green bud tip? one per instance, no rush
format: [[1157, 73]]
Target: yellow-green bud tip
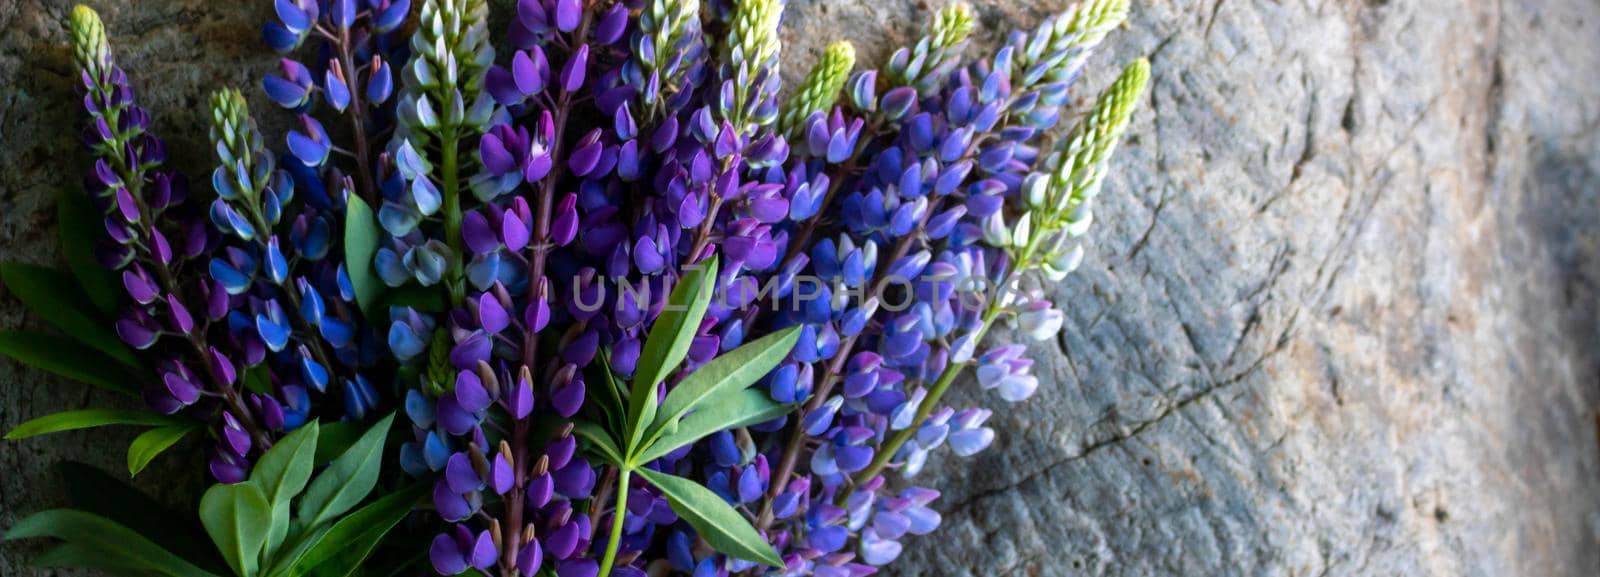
[[820, 89], [952, 24], [840, 55], [89, 45]]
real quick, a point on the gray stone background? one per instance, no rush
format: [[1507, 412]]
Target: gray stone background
[[1340, 315]]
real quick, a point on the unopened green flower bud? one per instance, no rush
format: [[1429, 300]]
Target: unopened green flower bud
[[930, 60], [1080, 163], [820, 90], [750, 64], [89, 45], [1058, 48], [753, 38]]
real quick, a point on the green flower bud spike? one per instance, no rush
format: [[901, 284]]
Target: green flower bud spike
[[239, 145], [1058, 199], [936, 53], [820, 89], [89, 45], [750, 62], [1058, 48]]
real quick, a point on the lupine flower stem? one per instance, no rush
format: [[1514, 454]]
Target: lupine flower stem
[[891, 447], [617, 518], [449, 174], [538, 251], [358, 122]]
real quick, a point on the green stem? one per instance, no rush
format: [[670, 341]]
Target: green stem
[[617, 517], [891, 447], [452, 215]]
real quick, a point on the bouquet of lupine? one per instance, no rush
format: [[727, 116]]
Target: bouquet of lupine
[[602, 299]]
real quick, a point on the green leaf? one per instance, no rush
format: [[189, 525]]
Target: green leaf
[[282, 473], [258, 379], [339, 551], [743, 408], [716, 521], [609, 397], [67, 358], [94, 491], [90, 533], [667, 344], [599, 439], [335, 438], [87, 418], [150, 443], [54, 296], [733, 371], [80, 224], [360, 247], [425, 299], [347, 480], [286, 468], [237, 517], [80, 556]]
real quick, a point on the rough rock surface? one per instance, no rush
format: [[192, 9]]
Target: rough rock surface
[[1340, 316]]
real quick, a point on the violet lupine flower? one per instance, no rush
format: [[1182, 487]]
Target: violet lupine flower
[[159, 242]]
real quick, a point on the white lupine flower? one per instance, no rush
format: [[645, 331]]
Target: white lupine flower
[[1042, 323]]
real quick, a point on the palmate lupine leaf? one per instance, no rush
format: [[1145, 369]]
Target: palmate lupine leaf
[[339, 549], [712, 385], [739, 409]]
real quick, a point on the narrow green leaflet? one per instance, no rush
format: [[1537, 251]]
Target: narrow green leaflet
[[599, 439], [88, 533], [79, 224], [733, 371], [282, 473], [360, 247], [335, 438], [67, 358], [347, 480], [744, 408], [79, 556], [343, 548], [716, 521], [237, 516], [286, 468], [151, 443], [55, 297], [425, 299], [258, 379], [667, 344], [87, 418], [609, 395]]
